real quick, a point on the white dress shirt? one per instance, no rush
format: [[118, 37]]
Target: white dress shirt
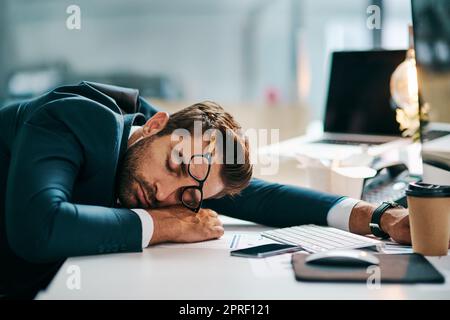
[[338, 216]]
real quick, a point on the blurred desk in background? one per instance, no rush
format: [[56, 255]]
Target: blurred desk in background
[[290, 119], [290, 173]]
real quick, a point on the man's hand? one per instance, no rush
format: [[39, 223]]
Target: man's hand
[[179, 224], [394, 222]]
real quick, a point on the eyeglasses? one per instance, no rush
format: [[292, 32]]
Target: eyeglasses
[[198, 168]]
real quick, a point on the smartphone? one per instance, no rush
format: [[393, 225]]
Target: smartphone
[[265, 250]]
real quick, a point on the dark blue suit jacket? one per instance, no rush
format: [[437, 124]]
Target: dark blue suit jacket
[[58, 159]]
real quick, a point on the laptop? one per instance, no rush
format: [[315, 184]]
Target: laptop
[[359, 114], [359, 108]]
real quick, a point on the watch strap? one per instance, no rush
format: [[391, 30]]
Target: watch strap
[[375, 223]]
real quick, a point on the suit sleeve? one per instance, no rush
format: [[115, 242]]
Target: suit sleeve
[[276, 205], [42, 223]]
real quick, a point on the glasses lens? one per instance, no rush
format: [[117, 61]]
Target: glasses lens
[[191, 197], [198, 167]]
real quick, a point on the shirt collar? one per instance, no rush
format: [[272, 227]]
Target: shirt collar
[[133, 130]]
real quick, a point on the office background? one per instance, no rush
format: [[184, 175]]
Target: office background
[[266, 61], [244, 54]]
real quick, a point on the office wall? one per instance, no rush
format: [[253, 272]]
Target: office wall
[[396, 20], [7, 48], [187, 45], [329, 26], [227, 50], [341, 25], [202, 45]]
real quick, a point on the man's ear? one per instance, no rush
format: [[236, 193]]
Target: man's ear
[[155, 124]]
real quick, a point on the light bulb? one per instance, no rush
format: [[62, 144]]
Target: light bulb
[[404, 86], [405, 92]]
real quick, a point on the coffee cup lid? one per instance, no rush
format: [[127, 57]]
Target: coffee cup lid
[[420, 189]]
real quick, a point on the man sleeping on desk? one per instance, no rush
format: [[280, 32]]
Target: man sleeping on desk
[[92, 169]]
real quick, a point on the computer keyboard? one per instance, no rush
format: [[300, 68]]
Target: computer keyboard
[[388, 186], [314, 238], [434, 134], [383, 193]]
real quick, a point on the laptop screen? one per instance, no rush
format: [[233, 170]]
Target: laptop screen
[[359, 99]]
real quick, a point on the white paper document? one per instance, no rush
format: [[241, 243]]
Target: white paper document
[[229, 241]]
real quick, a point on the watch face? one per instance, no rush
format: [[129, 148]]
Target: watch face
[[393, 204]]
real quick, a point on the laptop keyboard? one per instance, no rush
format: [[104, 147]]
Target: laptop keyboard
[[314, 238], [347, 142], [434, 134], [386, 192]]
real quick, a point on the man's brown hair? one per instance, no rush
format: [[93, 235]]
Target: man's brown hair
[[237, 171]]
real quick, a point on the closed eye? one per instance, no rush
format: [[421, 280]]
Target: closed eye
[[182, 165], [178, 169]]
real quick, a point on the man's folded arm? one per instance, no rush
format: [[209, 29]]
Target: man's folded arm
[[42, 223], [277, 205]]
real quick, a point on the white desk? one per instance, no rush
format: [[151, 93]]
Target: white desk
[[182, 273], [178, 272]]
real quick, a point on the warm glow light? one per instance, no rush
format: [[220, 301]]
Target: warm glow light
[[303, 69], [413, 87], [404, 85], [405, 94]]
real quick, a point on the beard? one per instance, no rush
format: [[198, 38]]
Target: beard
[[128, 176]]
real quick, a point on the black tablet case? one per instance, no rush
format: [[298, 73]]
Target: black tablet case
[[394, 268]]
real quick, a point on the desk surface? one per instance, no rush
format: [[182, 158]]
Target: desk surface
[[189, 272], [195, 272]]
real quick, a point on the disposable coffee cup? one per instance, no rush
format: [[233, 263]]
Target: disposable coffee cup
[[429, 213]]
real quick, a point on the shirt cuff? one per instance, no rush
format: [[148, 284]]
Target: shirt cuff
[[147, 226], [339, 214]]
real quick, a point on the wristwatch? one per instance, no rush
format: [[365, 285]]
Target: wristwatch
[[375, 223]]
